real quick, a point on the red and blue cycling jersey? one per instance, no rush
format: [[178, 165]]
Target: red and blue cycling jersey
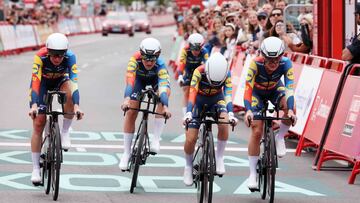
[[44, 73], [137, 78], [260, 84]]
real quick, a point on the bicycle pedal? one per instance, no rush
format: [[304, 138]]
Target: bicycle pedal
[[38, 184], [125, 170], [152, 153], [65, 150], [220, 175]]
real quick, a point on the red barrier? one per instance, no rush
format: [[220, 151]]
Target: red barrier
[[298, 60], [316, 61], [343, 139], [324, 99]]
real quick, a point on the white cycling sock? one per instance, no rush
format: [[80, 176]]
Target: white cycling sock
[[252, 164], [282, 131], [128, 137], [221, 144], [35, 156], [189, 160], [184, 110], [159, 124], [66, 125]]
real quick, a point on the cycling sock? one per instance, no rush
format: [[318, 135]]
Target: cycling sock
[[184, 110], [189, 160], [35, 156], [66, 125], [128, 137], [221, 144], [282, 131], [252, 164], [159, 124]]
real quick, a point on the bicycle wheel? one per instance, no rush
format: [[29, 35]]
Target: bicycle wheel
[[200, 159], [271, 166], [46, 171], [56, 163], [138, 151], [262, 173], [206, 184]]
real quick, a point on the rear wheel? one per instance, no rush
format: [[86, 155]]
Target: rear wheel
[[271, 167], [138, 151], [56, 164], [46, 171]]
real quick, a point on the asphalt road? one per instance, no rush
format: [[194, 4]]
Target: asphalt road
[[90, 171]]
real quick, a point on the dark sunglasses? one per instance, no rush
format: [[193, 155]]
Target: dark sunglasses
[[276, 14], [272, 60], [261, 18], [231, 20], [57, 55], [195, 47], [146, 57]]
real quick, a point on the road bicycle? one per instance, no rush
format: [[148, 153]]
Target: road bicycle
[[268, 162], [204, 162], [141, 147]]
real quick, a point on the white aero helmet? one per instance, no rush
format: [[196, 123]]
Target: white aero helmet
[[196, 41], [57, 44], [216, 69], [150, 46], [272, 47]]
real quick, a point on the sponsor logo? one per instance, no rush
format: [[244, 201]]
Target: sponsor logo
[[290, 74]]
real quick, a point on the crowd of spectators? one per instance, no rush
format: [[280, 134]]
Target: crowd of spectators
[[246, 23]]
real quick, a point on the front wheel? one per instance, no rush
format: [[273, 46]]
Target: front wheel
[[137, 152], [56, 163], [271, 167]]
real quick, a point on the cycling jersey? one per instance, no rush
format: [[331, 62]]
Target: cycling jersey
[[200, 85], [259, 84], [137, 78], [46, 75], [189, 62]]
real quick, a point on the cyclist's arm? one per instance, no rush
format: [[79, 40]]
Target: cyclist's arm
[[289, 84], [130, 77], [228, 93], [73, 77], [194, 87], [182, 62], [163, 83], [206, 56], [249, 85], [36, 80]]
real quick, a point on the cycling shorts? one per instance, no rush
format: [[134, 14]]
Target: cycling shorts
[[272, 95], [141, 84]]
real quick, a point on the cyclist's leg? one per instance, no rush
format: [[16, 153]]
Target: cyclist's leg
[[186, 88], [223, 134], [36, 137], [65, 86], [284, 125], [190, 142], [254, 141], [129, 125]]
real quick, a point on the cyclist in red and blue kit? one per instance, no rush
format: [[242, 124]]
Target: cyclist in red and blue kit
[[145, 68], [54, 68], [264, 82]]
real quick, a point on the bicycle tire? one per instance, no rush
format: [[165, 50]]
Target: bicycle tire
[[56, 163], [271, 166], [46, 174], [138, 157], [211, 168], [262, 172], [201, 168]]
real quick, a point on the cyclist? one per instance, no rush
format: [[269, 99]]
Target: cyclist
[[145, 68], [192, 56], [263, 81], [54, 67], [210, 85]]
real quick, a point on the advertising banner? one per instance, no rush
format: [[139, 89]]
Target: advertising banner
[[239, 95], [305, 93]]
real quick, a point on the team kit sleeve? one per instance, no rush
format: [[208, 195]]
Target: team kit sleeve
[[130, 76], [182, 62], [194, 87], [289, 84], [249, 85], [163, 83], [228, 93], [73, 78], [35, 80]]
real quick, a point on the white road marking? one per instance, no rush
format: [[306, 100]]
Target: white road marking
[[80, 149], [92, 146]]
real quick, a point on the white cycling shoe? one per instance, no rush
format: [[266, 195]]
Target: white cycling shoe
[[35, 177], [155, 146], [252, 182], [280, 147], [65, 141], [124, 162], [220, 167], [188, 176]]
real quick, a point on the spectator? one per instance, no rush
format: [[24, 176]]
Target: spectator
[[267, 8], [230, 40], [306, 36], [293, 20], [278, 30], [276, 15], [262, 18], [352, 52], [253, 4]]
